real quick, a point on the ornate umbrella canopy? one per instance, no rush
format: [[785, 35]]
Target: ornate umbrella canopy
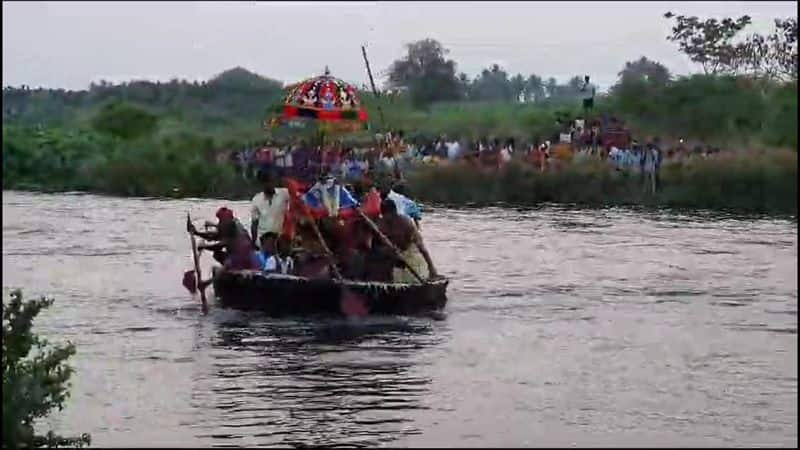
[[324, 99]]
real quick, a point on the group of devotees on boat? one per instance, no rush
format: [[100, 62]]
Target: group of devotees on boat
[[321, 231]]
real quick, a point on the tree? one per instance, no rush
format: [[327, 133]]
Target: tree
[[124, 120], [784, 44], [464, 84], [534, 88], [710, 42], [517, 84], [773, 56], [639, 83], [574, 84], [425, 73], [492, 85], [646, 70], [35, 376], [552, 88], [242, 80]]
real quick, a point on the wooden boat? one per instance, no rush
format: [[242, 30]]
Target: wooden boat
[[281, 295]]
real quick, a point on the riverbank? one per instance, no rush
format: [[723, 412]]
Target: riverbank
[[751, 182], [761, 182]]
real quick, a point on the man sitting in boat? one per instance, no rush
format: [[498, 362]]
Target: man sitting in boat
[[402, 232], [241, 256], [405, 206], [228, 230], [267, 249], [281, 262]]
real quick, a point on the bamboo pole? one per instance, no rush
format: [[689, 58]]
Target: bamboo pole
[[389, 244], [197, 267], [372, 83], [325, 247]]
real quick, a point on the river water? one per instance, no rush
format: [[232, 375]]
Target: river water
[[564, 327]]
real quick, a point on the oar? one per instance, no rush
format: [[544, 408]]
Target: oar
[[196, 264], [351, 304], [325, 247], [389, 244]]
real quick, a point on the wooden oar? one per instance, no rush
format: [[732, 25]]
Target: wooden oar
[[196, 264], [389, 244], [325, 247]]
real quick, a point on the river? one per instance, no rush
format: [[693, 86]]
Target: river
[[564, 327]]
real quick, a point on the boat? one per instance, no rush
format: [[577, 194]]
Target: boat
[[289, 295], [334, 105]]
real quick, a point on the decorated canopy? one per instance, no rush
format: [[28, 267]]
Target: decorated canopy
[[325, 99]]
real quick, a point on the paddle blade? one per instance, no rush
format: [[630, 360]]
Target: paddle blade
[[190, 281], [353, 304]]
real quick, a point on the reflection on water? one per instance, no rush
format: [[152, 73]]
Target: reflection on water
[[306, 383], [565, 326]]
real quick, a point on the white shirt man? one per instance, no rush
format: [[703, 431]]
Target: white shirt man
[[505, 154], [579, 126], [269, 212], [388, 161], [614, 157], [283, 158], [453, 150]]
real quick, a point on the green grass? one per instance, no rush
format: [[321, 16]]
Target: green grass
[[758, 182], [171, 147]]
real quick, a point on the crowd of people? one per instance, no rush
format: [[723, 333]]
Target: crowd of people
[[319, 228], [391, 156], [307, 227]]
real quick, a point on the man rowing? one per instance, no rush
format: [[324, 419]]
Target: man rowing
[[226, 232], [405, 236], [233, 247], [405, 206]]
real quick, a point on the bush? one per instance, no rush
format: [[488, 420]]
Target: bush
[[35, 377], [758, 182], [125, 120], [780, 125]]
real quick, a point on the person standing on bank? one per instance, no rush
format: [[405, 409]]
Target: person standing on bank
[[650, 160], [588, 91], [268, 207]]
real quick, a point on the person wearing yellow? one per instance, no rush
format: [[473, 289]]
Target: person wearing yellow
[[405, 236]]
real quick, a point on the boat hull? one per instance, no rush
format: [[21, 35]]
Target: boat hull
[[283, 295]]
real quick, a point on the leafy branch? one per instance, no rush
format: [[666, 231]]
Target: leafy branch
[[35, 376]]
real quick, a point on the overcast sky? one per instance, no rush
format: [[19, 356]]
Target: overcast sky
[[70, 44]]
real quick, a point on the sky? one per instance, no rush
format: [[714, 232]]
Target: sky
[[71, 44]]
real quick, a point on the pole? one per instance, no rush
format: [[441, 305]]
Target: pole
[[322, 242], [389, 244], [372, 83], [197, 267]]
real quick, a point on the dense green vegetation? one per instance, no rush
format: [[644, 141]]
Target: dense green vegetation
[[35, 377], [166, 139], [762, 183], [132, 149]]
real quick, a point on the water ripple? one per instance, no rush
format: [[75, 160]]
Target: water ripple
[[605, 327]]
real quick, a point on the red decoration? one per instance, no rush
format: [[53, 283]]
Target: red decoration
[[324, 98]]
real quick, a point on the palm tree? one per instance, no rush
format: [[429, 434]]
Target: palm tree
[[534, 89], [517, 83], [552, 88]]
